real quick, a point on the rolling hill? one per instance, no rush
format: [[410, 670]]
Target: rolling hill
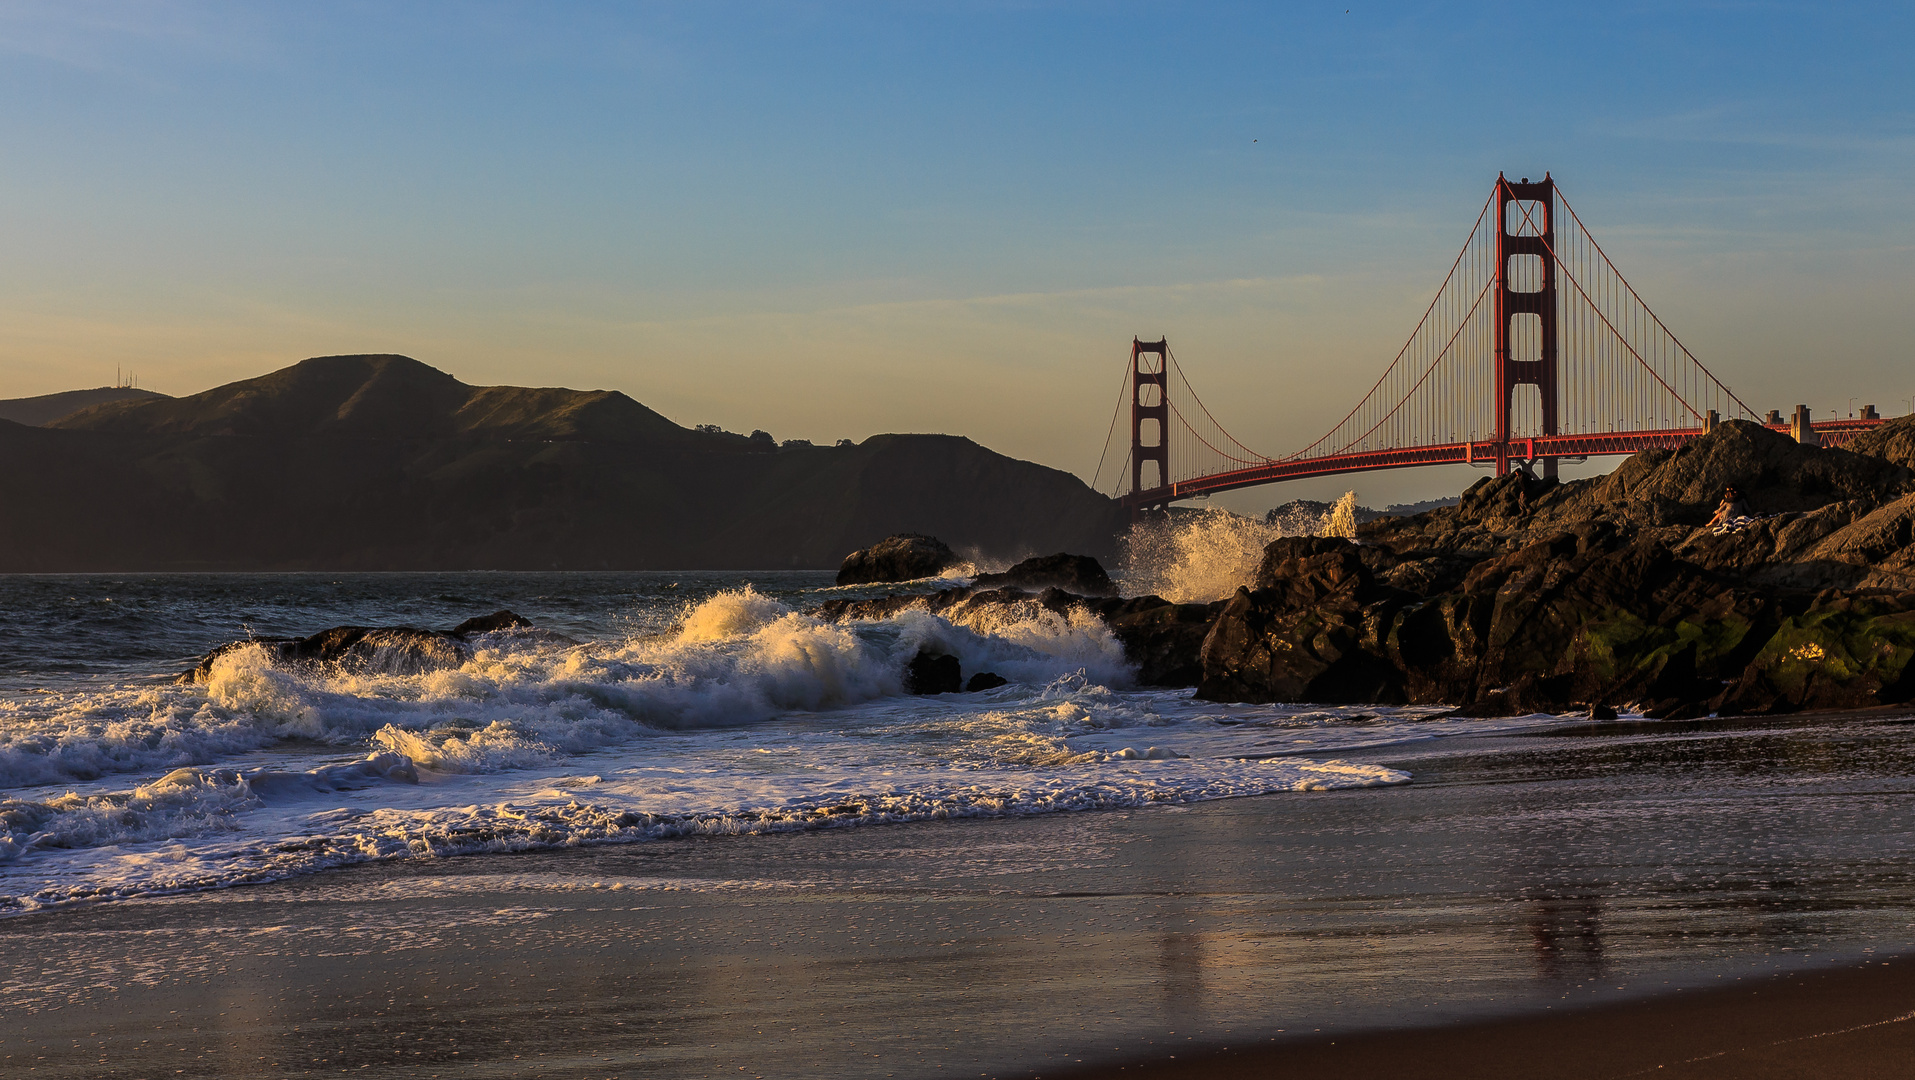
[[385, 463], [45, 409]]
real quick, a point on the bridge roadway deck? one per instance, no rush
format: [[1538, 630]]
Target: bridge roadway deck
[[1832, 433]]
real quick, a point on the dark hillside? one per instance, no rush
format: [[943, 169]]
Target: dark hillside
[[45, 409], [380, 462]]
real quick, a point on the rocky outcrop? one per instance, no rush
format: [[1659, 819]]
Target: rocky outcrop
[[933, 673], [1893, 441], [1876, 551], [1801, 494], [1311, 631], [1843, 652], [904, 557], [1164, 640], [371, 650], [941, 673], [1530, 595], [1594, 618], [490, 624], [1078, 574]]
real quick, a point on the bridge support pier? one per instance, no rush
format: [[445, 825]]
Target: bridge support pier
[[1802, 429], [1526, 236]]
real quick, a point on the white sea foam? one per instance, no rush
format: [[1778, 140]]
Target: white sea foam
[[738, 658], [184, 802], [616, 812], [1201, 556], [1342, 517], [729, 615], [457, 748], [1194, 558], [743, 716]]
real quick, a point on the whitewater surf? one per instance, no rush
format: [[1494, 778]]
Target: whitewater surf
[[644, 706]]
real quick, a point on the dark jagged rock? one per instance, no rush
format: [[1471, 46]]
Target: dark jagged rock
[[1872, 551], [488, 624], [933, 673], [1427, 574], [1590, 596], [904, 557], [1804, 496], [881, 607], [361, 650], [1312, 631], [1596, 616], [1079, 574], [1536, 596], [1893, 441], [371, 650], [1163, 639], [1844, 652], [985, 680]]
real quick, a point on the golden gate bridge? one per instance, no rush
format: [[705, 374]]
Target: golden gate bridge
[[1535, 350]]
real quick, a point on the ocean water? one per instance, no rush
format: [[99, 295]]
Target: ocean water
[[644, 705], [690, 811]]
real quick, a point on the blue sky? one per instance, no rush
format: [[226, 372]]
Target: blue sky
[[831, 220]]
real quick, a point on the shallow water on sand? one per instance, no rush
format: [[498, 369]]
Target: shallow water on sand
[[1519, 872]]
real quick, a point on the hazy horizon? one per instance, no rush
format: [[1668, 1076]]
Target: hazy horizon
[[829, 222]]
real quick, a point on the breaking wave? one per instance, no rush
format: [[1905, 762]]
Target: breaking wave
[[735, 659], [1197, 556], [740, 715]]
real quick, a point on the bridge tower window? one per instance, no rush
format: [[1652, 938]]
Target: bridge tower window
[[1525, 273]]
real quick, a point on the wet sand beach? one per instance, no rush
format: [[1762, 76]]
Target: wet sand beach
[[1590, 903], [1851, 1022]]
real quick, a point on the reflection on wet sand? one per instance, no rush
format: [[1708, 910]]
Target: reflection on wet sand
[[1180, 974], [1568, 940], [1519, 873]]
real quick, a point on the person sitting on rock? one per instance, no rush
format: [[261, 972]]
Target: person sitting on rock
[[1731, 507]]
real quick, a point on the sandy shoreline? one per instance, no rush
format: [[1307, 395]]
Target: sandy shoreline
[[1852, 1022], [1571, 899]]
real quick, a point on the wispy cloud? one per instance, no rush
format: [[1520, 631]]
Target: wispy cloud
[[123, 38]]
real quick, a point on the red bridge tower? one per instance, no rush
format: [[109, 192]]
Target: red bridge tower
[[1531, 233], [1148, 405]]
